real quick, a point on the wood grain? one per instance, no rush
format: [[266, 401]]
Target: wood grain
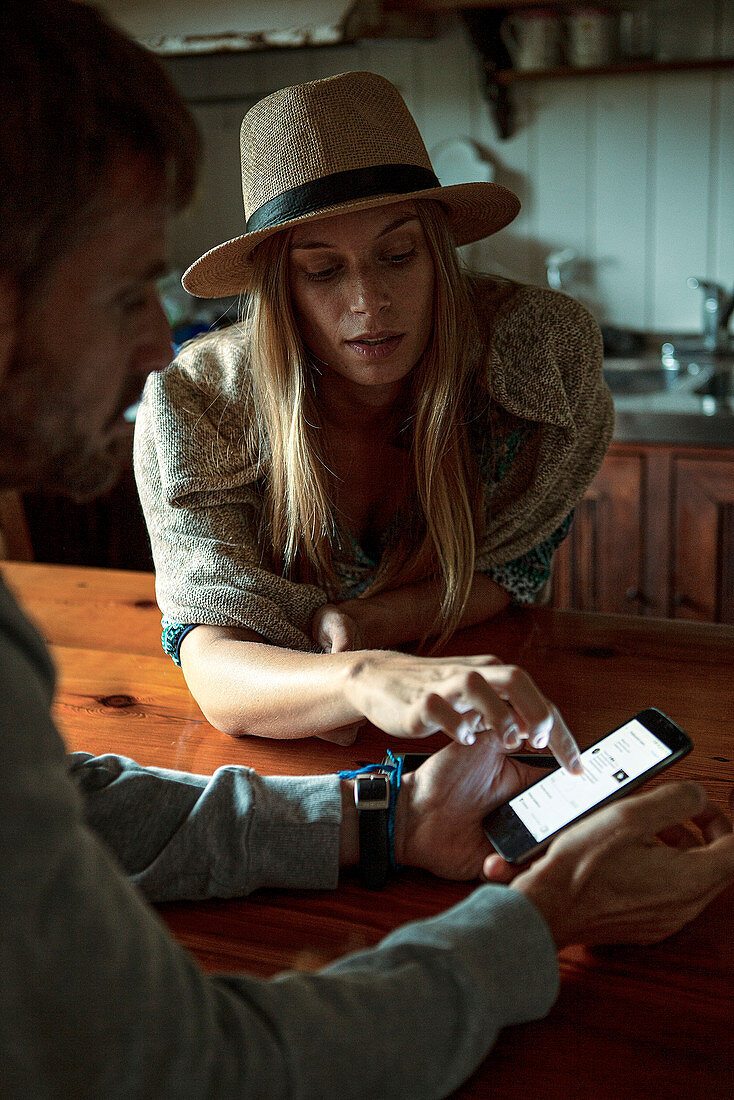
[[629, 1021]]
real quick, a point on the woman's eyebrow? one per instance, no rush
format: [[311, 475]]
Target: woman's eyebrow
[[396, 224]]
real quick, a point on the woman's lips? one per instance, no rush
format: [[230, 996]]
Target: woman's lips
[[375, 347]]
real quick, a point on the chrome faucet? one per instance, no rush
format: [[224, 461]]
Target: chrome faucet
[[718, 306]]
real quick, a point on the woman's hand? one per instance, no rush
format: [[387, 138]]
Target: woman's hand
[[632, 872], [401, 615], [335, 630], [410, 696], [438, 823]]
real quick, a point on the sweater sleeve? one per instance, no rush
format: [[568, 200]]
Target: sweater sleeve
[[202, 501], [526, 578], [555, 417], [191, 836], [99, 1000]]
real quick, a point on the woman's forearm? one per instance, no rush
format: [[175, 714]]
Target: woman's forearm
[[406, 614], [245, 686]]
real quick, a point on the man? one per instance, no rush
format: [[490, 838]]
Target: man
[[96, 997]]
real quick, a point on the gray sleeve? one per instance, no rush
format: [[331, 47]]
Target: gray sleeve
[[432, 999], [190, 836], [99, 1000]]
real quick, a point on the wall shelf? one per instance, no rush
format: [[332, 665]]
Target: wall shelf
[[499, 81], [499, 76], [483, 19], [506, 77]]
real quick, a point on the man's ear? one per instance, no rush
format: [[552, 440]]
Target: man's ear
[[8, 321]]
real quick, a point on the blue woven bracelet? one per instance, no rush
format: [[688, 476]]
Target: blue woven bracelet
[[396, 777], [366, 770]]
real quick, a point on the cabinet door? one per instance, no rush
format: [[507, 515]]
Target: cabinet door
[[600, 565], [703, 539]]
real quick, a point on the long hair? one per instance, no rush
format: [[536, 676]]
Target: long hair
[[443, 516]]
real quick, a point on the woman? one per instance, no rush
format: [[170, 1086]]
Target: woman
[[385, 451]]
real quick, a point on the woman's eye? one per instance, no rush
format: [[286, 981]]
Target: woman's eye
[[322, 275], [398, 258]]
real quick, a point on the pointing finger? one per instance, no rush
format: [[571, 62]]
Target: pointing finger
[[438, 714], [562, 744]]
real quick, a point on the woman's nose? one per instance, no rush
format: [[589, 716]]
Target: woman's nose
[[368, 291]]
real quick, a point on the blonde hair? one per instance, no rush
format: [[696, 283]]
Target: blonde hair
[[438, 539]]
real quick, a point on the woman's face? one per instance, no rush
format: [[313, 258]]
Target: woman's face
[[362, 292]]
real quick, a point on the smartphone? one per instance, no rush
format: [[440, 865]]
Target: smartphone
[[411, 760], [613, 766]]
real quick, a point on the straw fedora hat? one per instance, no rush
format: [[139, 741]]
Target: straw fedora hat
[[345, 143]]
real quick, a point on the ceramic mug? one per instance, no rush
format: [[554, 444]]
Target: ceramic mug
[[532, 39], [637, 33], [591, 37]]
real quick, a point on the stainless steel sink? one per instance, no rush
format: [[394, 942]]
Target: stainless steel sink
[[646, 376], [700, 373], [687, 347], [686, 397]]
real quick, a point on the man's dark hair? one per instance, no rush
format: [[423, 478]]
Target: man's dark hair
[[75, 96]]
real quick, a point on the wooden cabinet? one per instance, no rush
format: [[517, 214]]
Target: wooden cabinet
[[702, 576], [654, 535], [599, 567]]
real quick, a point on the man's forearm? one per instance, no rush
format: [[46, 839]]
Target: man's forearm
[[183, 836], [188, 836]]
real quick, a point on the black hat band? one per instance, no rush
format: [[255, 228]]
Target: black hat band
[[355, 183]]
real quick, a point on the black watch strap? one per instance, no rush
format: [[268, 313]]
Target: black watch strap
[[372, 798]]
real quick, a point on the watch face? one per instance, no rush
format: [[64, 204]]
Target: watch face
[[372, 792]]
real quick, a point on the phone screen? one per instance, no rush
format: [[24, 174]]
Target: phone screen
[[610, 764], [622, 760]]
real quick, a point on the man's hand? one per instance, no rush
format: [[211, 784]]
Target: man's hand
[[438, 824], [633, 872]]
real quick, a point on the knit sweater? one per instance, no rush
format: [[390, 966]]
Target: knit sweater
[[202, 492]]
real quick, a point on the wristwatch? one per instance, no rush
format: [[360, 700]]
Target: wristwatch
[[372, 799]]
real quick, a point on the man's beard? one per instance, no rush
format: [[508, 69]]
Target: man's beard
[[84, 475], [78, 473], [44, 448]]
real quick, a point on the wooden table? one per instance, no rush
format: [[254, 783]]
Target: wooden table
[[629, 1022]]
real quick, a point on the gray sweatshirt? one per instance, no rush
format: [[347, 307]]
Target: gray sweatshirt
[[98, 1000]]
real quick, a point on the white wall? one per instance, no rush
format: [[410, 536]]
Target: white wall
[[636, 173]]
